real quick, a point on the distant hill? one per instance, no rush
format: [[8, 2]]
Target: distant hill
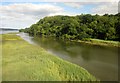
[[7, 29]]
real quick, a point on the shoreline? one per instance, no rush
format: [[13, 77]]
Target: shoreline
[[32, 62], [98, 42]]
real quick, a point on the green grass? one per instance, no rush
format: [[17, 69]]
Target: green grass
[[0, 58], [22, 61], [99, 42]]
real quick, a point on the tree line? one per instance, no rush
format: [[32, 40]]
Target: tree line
[[106, 27]]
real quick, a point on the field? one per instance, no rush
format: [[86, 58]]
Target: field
[[22, 61]]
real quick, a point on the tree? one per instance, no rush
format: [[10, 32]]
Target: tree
[[82, 26]]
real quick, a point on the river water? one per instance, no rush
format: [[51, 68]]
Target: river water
[[100, 61]]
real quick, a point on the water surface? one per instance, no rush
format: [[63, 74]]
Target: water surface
[[100, 61]]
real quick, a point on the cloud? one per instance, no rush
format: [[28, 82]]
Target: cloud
[[21, 15], [119, 7], [25, 14], [29, 9], [98, 7], [97, 0], [106, 8], [65, 14], [60, 0], [74, 4]]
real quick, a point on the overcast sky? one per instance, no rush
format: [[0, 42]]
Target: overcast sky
[[19, 14]]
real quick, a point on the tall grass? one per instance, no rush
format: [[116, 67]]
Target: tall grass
[[0, 58], [25, 62], [99, 42]]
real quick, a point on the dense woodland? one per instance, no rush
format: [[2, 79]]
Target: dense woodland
[[106, 27]]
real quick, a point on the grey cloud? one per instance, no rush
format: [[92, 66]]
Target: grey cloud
[[60, 0], [23, 15], [109, 8], [30, 9]]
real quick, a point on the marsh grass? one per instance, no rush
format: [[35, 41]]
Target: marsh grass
[[22, 61], [99, 42], [0, 58]]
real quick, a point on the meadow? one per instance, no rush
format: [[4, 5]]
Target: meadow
[[22, 61]]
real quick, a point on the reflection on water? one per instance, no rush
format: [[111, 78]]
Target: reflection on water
[[102, 62]]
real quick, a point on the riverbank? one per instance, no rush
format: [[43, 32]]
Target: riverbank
[[99, 42], [23, 61], [0, 58]]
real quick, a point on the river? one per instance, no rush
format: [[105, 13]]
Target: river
[[100, 61]]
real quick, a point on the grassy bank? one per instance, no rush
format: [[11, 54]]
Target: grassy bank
[[23, 61], [99, 42], [0, 58]]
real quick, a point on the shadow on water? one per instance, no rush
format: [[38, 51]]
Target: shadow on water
[[102, 62]]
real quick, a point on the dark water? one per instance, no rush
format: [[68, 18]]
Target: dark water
[[102, 62]]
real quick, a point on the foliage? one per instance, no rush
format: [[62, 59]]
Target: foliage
[[78, 27]]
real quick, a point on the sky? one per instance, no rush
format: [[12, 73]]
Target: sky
[[19, 14]]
